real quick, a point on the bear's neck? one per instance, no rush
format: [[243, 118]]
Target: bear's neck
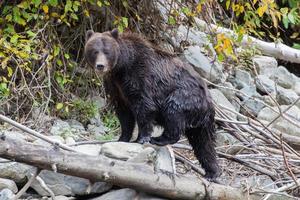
[[132, 53]]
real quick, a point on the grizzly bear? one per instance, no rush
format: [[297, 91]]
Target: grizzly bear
[[149, 86]]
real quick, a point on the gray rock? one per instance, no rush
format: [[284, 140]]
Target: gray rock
[[193, 37], [265, 65], [6, 194], [65, 185], [283, 77], [14, 171], [165, 160], [65, 129], [243, 79], [147, 155], [121, 150], [220, 99], [236, 102], [268, 100], [225, 138], [124, 194], [89, 149], [264, 84], [252, 107], [247, 92], [143, 196], [228, 90], [14, 135], [96, 130], [267, 114], [203, 65], [9, 184], [296, 87], [286, 96]]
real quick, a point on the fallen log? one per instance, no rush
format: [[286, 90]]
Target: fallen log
[[277, 50], [121, 173]]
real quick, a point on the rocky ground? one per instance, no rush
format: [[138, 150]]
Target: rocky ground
[[259, 93]]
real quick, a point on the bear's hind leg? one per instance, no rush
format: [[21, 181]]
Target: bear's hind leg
[[173, 129], [127, 122]]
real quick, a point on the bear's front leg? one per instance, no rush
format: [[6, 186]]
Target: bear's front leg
[[145, 129], [127, 122]]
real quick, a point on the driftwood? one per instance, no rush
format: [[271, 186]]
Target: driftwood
[[125, 174], [277, 50]]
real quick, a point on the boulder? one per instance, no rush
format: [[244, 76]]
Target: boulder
[[264, 84], [61, 184], [9, 184], [265, 65], [286, 96], [283, 77], [220, 99], [121, 150], [209, 69], [267, 115]]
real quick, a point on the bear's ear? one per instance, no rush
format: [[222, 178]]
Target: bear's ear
[[88, 34], [115, 33]]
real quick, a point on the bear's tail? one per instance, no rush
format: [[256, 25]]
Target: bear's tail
[[202, 139]]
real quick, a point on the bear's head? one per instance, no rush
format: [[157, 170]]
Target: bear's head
[[102, 50]]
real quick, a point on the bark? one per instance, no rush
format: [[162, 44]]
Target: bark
[[121, 173], [277, 50]]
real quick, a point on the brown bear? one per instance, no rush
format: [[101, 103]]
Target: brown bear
[[149, 87]]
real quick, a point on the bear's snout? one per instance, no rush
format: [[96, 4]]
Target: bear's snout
[[100, 66]]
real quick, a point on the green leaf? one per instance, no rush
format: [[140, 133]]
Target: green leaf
[[9, 71], [99, 3], [68, 6], [171, 20], [53, 2], [67, 56], [31, 34], [186, 10], [296, 45], [291, 18], [59, 106], [285, 22], [74, 16], [125, 21], [36, 2], [14, 38], [56, 51]]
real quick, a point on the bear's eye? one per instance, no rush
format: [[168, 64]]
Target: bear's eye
[[96, 52]]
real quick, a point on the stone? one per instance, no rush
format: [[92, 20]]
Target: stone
[[225, 138], [243, 79], [96, 130], [220, 99], [247, 92], [66, 185], [89, 149], [70, 128], [296, 87], [265, 65], [228, 90], [144, 196], [124, 194], [251, 107], [203, 65], [147, 155], [9, 184], [283, 77], [6, 194], [14, 171], [236, 102], [165, 160], [121, 150], [267, 115], [264, 84], [286, 96]]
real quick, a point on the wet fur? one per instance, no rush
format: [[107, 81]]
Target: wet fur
[[152, 87]]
